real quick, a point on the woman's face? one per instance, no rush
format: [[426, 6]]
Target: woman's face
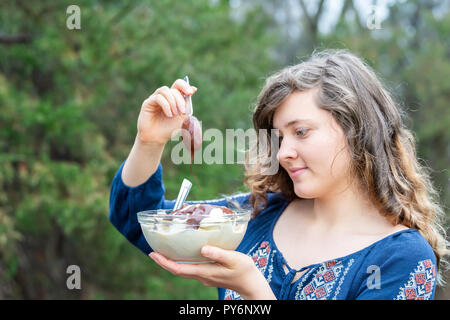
[[311, 139]]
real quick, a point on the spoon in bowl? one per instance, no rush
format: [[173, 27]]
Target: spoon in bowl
[[182, 194]]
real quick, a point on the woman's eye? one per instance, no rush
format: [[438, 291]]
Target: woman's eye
[[302, 132]]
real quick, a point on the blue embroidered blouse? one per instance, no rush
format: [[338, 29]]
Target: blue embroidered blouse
[[399, 266]]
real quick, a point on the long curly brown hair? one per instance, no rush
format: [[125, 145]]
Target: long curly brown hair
[[383, 151]]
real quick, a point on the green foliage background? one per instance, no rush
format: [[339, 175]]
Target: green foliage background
[[69, 101]]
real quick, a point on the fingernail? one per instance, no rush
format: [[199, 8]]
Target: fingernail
[[154, 257], [206, 250]]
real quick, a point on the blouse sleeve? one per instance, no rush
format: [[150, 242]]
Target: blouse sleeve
[[405, 270], [125, 202]]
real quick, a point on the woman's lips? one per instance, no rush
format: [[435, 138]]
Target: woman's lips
[[295, 172]]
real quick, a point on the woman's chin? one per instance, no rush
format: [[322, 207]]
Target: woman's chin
[[302, 192]]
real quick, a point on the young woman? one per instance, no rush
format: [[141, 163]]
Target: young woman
[[351, 214]]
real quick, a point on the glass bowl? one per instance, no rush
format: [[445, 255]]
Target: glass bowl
[[171, 236]]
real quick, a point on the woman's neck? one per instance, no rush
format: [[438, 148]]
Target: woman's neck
[[347, 210]]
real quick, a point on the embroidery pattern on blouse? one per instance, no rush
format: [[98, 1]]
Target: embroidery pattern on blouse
[[338, 289], [300, 285], [263, 258], [321, 285], [420, 283]]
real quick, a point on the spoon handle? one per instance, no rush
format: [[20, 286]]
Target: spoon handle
[[182, 194], [188, 100]]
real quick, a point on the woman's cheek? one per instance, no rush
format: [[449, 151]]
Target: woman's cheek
[[333, 171], [316, 180], [321, 152]]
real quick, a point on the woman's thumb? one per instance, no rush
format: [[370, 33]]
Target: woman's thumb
[[224, 257]]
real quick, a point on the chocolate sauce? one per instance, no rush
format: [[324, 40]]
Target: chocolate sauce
[[192, 126], [198, 212]]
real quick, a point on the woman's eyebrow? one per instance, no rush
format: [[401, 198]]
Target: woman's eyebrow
[[295, 121]]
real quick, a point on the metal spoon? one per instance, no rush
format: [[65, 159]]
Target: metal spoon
[[188, 100], [182, 194]]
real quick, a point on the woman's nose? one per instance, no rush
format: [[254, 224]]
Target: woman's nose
[[286, 151]]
